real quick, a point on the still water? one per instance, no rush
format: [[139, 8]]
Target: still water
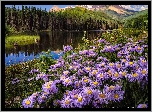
[[48, 40]]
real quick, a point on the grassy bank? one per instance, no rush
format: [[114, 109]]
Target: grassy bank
[[20, 40]]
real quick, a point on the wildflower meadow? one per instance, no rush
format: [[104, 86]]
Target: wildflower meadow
[[109, 71]]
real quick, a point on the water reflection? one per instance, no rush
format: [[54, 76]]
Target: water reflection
[[48, 40]]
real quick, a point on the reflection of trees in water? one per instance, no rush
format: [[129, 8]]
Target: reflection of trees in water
[[53, 41]]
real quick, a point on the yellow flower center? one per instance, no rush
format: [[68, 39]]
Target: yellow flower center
[[34, 94], [56, 103], [101, 75], [109, 72], [48, 86], [45, 93], [124, 60], [63, 77], [76, 96], [77, 84], [66, 72], [111, 64], [108, 47], [86, 80], [94, 72], [28, 102], [43, 97], [67, 93], [67, 81], [131, 63], [116, 96], [139, 48], [143, 72], [67, 101], [41, 75], [95, 83], [111, 87], [135, 75], [143, 105], [88, 68], [118, 65], [143, 61], [116, 75], [102, 96], [123, 73], [89, 92], [80, 99], [70, 67], [102, 64]]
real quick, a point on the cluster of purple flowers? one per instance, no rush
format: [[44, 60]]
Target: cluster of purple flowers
[[67, 48], [86, 76]]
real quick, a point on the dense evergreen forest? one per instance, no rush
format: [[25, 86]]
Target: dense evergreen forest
[[30, 19]]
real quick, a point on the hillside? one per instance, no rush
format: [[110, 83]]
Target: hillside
[[137, 14], [114, 11], [138, 20]]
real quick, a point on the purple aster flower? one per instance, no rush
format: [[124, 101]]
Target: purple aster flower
[[42, 98], [108, 88], [88, 93], [92, 55], [101, 64], [29, 79], [16, 80], [139, 49], [77, 84], [123, 73], [116, 96], [117, 66], [142, 106], [34, 95], [28, 102], [87, 69], [102, 96], [94, 84], [62, 78], [56, 102], [67, 48], [85, 81], [66, 102], [111, 65], [47, 86], [133, 77], [42, 76], [101, 76], [101, 41], [80, 72], [79, 101], [131, 64], [66, 73], [100, 58], [131, 49], [67, 82], [84, 52], [143, 62], [110, 72], [93, 73], [116, 76], [34, 71], [143, 72]]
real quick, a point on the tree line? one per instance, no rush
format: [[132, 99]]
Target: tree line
[[32, 19]]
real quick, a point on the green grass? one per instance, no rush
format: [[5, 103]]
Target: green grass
[[20, 39]]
